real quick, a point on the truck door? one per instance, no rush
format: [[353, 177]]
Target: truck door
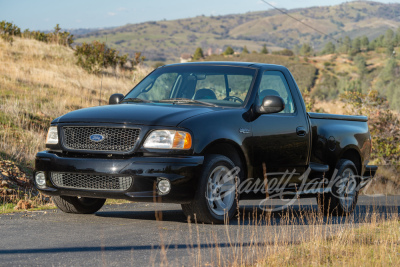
[[280, 140]]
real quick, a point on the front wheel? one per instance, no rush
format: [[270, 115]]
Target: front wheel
[[78, 205], [216, 197], [343, 197]]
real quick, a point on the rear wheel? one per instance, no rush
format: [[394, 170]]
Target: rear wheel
[[343, 197], [216, 196], [78, 205]]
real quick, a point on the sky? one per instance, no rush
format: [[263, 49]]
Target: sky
[[73, 14]]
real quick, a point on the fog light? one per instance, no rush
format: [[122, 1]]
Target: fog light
[[163, 186], [40, 179]]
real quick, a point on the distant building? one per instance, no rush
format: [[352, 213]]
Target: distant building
[[186, 58], [218, 51], [209, 52]]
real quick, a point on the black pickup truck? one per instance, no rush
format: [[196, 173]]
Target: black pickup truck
[[205, 135]]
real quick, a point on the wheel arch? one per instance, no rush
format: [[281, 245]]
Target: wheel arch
[[353, 154], [229, 149]]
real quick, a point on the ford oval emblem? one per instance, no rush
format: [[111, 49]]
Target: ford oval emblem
[[96, 137]]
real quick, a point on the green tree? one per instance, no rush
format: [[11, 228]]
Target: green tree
[[355, 46], [245, 51], [388, 72], [306, 50], [329, 48], [388, 39], [361, 64], [198, 54], [264, 49], [364, 42], [229, 51], [346, 45], [397, 37]]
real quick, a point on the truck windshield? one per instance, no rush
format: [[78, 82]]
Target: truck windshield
[[194, 85]]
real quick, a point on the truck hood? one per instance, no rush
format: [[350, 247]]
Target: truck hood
[[139, 114]]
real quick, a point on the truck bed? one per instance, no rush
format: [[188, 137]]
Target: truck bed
[[314, 115]]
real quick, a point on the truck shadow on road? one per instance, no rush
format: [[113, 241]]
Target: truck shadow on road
[[294, 215], [300, 215]]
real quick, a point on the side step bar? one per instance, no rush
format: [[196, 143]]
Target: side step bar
[[316, 167], [370, 171]]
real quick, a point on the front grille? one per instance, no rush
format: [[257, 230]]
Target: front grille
[[87, 181], [114, 139]]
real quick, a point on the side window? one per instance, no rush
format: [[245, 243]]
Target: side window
[[274, 83]]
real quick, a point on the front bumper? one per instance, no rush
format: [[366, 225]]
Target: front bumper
[[181, 171]]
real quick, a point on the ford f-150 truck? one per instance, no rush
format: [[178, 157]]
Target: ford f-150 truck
[[205, 135]]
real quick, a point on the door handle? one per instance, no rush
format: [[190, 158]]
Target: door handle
[[301, 131]]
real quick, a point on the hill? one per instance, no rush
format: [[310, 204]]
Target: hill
[[326, 77], [167, 40]]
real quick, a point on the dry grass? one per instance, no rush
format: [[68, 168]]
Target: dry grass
[[376, 243], [39, 82], [294, 237]]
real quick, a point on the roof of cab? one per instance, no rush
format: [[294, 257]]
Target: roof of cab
[[230, 63]]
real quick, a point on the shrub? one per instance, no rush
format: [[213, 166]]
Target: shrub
[[384, 124], [158, 64], [361, 64], [284, 52], [229, 51], [96, 56], [245, 50], [306, 50], [8, 30], [329, 48], [264, 49], [198, 54], [327, 88]]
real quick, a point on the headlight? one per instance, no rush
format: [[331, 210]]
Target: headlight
[[52, 136], [168, 139]]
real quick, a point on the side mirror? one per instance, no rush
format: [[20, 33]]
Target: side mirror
[[115, 99], [271, 104]]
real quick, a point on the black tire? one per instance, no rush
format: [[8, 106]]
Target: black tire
[[200, 209], [83, 205], [338, 202]]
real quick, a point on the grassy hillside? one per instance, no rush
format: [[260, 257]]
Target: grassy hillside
[[39, 82], [326, 77], [167, 40]]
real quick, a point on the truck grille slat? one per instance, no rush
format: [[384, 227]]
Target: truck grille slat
[[93, 182], [114, 139]]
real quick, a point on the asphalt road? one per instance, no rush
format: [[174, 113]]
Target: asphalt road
[[134, 234]]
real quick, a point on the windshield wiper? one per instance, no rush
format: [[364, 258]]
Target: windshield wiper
[[187, 100], [135, 99]]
